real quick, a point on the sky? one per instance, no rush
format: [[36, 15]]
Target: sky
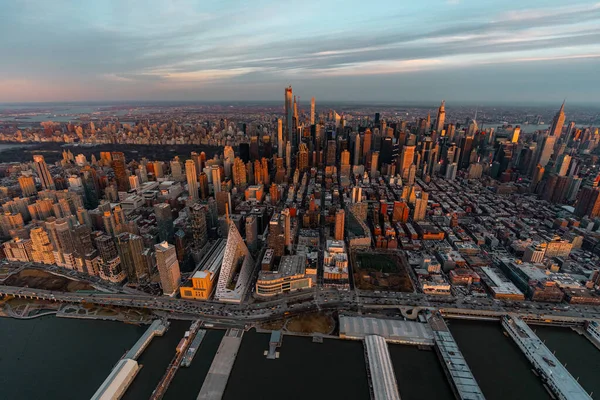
[[467, 51]]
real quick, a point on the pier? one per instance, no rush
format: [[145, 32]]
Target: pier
[[156, 328], [274, 343], [218, 374], [392, 330], [462, 381], [554, 374], [180, 353], [117, 382], [380, 371]]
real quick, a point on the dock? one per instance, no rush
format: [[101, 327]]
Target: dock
[[180, 353], [380, 371], [156, 328], [592, 332], [392, 330], [191, 351], [462, 381], [218, 374], [553, 373], [274, 343], [117, 382]]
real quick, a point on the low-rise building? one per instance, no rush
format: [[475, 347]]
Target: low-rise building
[[289, 277]]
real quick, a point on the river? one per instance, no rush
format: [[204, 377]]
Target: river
[[59, 358]]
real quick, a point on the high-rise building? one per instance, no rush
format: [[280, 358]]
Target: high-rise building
[[420, 206], [375, 163], [131, 248], [176, 171], [312, 111], [164, 222], [42, 249], [303, 157], [27, 184], [251, 232], [168, 267], [408, 156], [287, 227], [215, 171], [198, 223], [43, 172], [280, 139], [515, 135], [339, 224], [441, 118], [119, 167], [192, 179], [558, 121], [331, 152], [203, 183], [289, 114], [588, 202], [547, 149]]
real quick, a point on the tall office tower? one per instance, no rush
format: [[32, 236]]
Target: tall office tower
[[573, 190], [558, 121], [27, 184], [547, 150], [110, 265], [118, 166], [562, 164], [239, 172], [420, 206], [387, 149], [43, 173], [516, 133], [254, 150], [131, 248], [375, 163], [280, 141], [366, 145], [274, 194], [537, 177], [287, 227], [216, 178], [42, 249], [258, 175], [196, 159], [134, 182], [303, 157], [164, 222], [441, 118], [265, 170], [465, 150], [168, 267], [228, 153], [176, 170], [345, 163], [400, 212], [223, 202], [288, 156], [331, 152], [251, 232], [356, 194], [110, 224], [276, 237], [191, 176], [158, 169], [312, 111], [289, 114], [339, 224], [357, 150], [451, 171], [83, 217], [198, 224], [203, 183], [588, 202], [408, 157]]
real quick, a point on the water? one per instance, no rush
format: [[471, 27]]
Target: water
[[188, 381], [501, 370], [41, 358], [419, 374], [582, 358], [334, 369], [154, 361]]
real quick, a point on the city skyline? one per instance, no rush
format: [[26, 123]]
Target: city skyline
[[461, 51]]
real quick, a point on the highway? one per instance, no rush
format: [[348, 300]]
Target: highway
[[323, 298]]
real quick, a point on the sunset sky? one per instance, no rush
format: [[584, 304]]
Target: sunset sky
[[390, 51]]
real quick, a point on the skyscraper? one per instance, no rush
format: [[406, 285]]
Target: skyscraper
[[339, 224], [280, 140], [168, 267], [192, 179], [588, 202], [312, 111], [216, 178], [198, 224], [558, 121], [118, 166], [420, 206], [441, 118], [289, 114], [42, 249], [164, 222], [130, 249], [43, 173], [27, 184]]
